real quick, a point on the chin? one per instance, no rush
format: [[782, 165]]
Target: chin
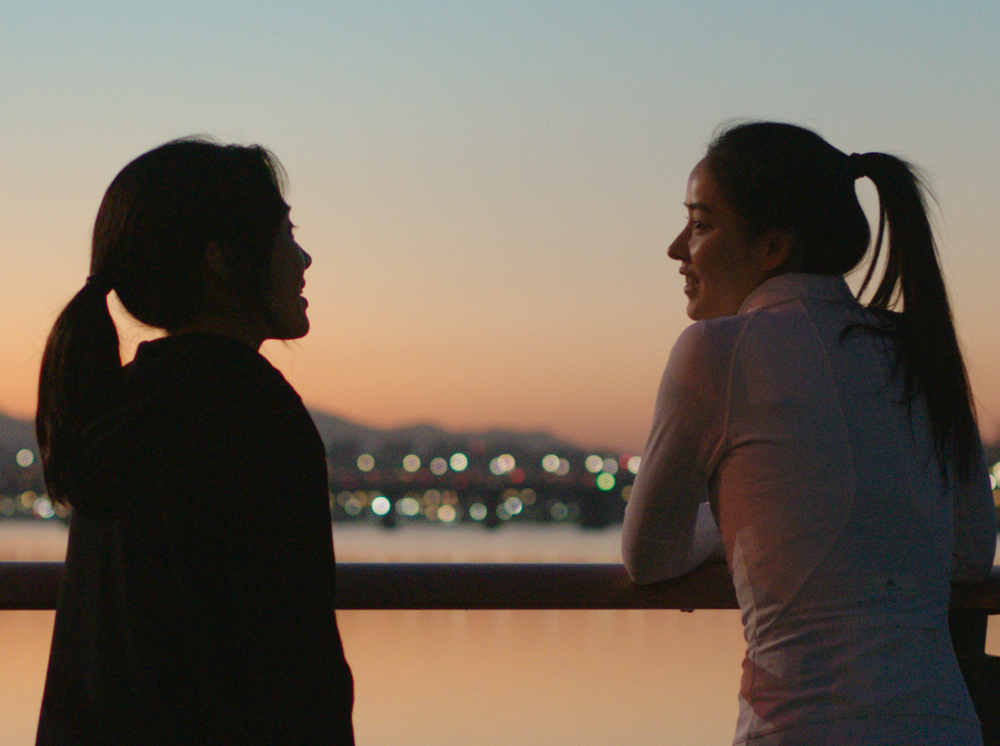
[[291, 330]]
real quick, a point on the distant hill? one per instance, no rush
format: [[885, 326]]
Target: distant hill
[[16, 434], [424, 439], [336, 431]]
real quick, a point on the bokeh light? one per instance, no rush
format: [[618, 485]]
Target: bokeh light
[[411, 462], [550, 463], [43, 507], [447, 513], [605, 481], [478, 511], [408, 506], [563, 469], [502, 464], [381, 505], [459, 462], [366, 462], [633, 464], [25, 457], [513, 505], [593, 464], [438, 466], [558, 511], [610, 465]]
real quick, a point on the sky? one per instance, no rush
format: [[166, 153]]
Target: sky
[[487, 189]]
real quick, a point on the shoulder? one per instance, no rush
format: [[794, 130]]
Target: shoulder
[[707, 345], [205, 383]]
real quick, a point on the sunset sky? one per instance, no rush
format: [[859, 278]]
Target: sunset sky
[[487, 189]]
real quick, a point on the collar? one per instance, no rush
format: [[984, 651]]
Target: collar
[[793, 286]]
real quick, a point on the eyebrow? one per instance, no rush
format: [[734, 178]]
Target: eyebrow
[[697, 206]]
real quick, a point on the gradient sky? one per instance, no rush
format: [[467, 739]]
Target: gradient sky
[[487, 189]]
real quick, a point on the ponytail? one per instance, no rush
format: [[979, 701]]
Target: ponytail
[[927, 350], [80, 381]]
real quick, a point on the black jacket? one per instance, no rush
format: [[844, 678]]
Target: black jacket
[[197, 606]]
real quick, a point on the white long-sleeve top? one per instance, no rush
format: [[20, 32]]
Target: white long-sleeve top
[[840, 534]]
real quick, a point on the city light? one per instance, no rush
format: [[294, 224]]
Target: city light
[[513, 505], [550, 463], [43, 507], [633, 464], [25, 457], [478, 511], [502, 464], [559, 511], [563, 469], [605, 481], [459, 462], [408, 506], [411, 462], [438, 466], [447, 513], [594, 464], [381, 505], [610, 465], [366, 462]]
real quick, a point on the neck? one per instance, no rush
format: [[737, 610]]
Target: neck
[[239, 329]]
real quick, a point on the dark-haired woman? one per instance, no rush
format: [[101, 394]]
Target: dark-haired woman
[[197, 606], [832, 442]]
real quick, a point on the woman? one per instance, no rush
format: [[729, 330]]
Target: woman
[[197, 605], [835, 440]]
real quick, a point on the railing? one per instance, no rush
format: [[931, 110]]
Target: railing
[[387, 586]]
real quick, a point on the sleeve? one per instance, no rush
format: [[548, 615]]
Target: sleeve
[[669, 529], [975, 522]]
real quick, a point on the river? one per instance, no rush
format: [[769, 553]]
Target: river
[[454, 678]]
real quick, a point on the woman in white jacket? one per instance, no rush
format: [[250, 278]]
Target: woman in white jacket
[[832, 442]]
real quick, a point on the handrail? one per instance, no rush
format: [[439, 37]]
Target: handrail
[[391, 585]]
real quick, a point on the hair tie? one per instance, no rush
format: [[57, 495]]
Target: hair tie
[[100, 283], [855, 166]]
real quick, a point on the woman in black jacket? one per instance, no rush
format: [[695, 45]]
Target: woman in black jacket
[[198, 600]]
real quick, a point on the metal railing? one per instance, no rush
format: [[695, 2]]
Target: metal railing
[[389, 586]]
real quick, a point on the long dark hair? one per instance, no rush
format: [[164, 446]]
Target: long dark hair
[[781, 176], [151, 235]]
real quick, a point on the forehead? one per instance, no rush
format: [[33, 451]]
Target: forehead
[[703, 192]]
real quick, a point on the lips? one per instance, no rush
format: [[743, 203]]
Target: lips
[[690, 284]]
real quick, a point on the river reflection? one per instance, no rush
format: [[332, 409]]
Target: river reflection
[[476, 677]]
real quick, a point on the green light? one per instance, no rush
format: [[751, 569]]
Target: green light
[[605, 481]]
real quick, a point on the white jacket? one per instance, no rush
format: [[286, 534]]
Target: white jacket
[[841, 537]]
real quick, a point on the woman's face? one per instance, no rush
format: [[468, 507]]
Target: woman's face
[[720, 264], [285, 301]]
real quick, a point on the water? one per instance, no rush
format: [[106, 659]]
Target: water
[[478, 677]]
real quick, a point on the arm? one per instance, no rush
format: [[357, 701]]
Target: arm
[[669, 529], [975, 528]]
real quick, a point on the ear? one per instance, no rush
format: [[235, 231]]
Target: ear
[[776, 251]]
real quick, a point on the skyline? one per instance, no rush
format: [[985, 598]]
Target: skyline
[[487, 192]]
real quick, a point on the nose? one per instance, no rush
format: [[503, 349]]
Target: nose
[[679, 248], [306, 259]]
